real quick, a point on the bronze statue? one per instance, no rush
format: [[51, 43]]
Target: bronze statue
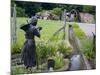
[[29, 47]]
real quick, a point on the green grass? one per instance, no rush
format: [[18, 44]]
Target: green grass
[[78, 32], [49, 27], [47, 46], [59, 62], [19, 70], [87, 47]]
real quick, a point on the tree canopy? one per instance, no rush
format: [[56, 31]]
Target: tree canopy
[[30, 8]]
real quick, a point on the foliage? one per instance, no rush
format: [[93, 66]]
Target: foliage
[[57, 11], [87, 47], [15, 48], [64, 48], [20, 12], [87, 44], [45, 49], [29, 7], [59, 60], [78, 32], [48, 49], [89, 9], [33, 7], [19, 70], [57, 37], [48, 28]]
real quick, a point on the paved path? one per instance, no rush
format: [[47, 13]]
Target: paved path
[[88, 28]]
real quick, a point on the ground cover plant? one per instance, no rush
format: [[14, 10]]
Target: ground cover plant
[[78, 32]]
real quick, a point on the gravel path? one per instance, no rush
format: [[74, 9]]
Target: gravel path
[[88, 28]]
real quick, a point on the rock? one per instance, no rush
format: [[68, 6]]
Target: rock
[[75, 62]]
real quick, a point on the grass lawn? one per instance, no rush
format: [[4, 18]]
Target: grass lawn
[[55, 48], [49, 27], [49, 49], [78, 32]]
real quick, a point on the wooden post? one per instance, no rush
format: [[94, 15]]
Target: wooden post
[[65, 27], [14, 23], [64, 23], [94, 41]]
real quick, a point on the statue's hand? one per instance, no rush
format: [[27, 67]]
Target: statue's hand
[[40, 28]]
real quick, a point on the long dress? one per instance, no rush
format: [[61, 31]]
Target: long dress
[[29, 48]]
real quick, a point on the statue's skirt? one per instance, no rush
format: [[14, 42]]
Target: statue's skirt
[[29, 53]]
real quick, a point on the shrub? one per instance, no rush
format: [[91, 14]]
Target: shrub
[[20, 12], [15, 48], [78, 32], [19, 70], [48, 49], [64, 48], [45, 49], [87, 47], [57, 11], [59, 60], [41, 49], [89, 9]]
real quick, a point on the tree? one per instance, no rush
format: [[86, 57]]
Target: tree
[[20, 12], [89, 9], [30, 7], [57, 11]]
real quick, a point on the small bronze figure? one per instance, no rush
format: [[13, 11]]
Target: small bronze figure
[[29, 47]]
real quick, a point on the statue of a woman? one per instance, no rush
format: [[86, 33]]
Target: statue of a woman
[[29, 47]]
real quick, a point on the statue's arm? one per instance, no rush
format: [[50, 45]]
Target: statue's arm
[[38, 27]]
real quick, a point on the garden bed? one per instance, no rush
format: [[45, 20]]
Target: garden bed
[[48, 47]]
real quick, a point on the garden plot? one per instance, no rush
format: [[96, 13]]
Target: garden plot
[[51, 47], [48, 47]]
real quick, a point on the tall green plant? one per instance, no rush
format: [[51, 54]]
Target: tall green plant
[[64, 48], [15, 48], [59, 60]]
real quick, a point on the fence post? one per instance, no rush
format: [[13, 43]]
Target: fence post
[[64, 24], [14, 23], [65, 27], [94, 41]]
